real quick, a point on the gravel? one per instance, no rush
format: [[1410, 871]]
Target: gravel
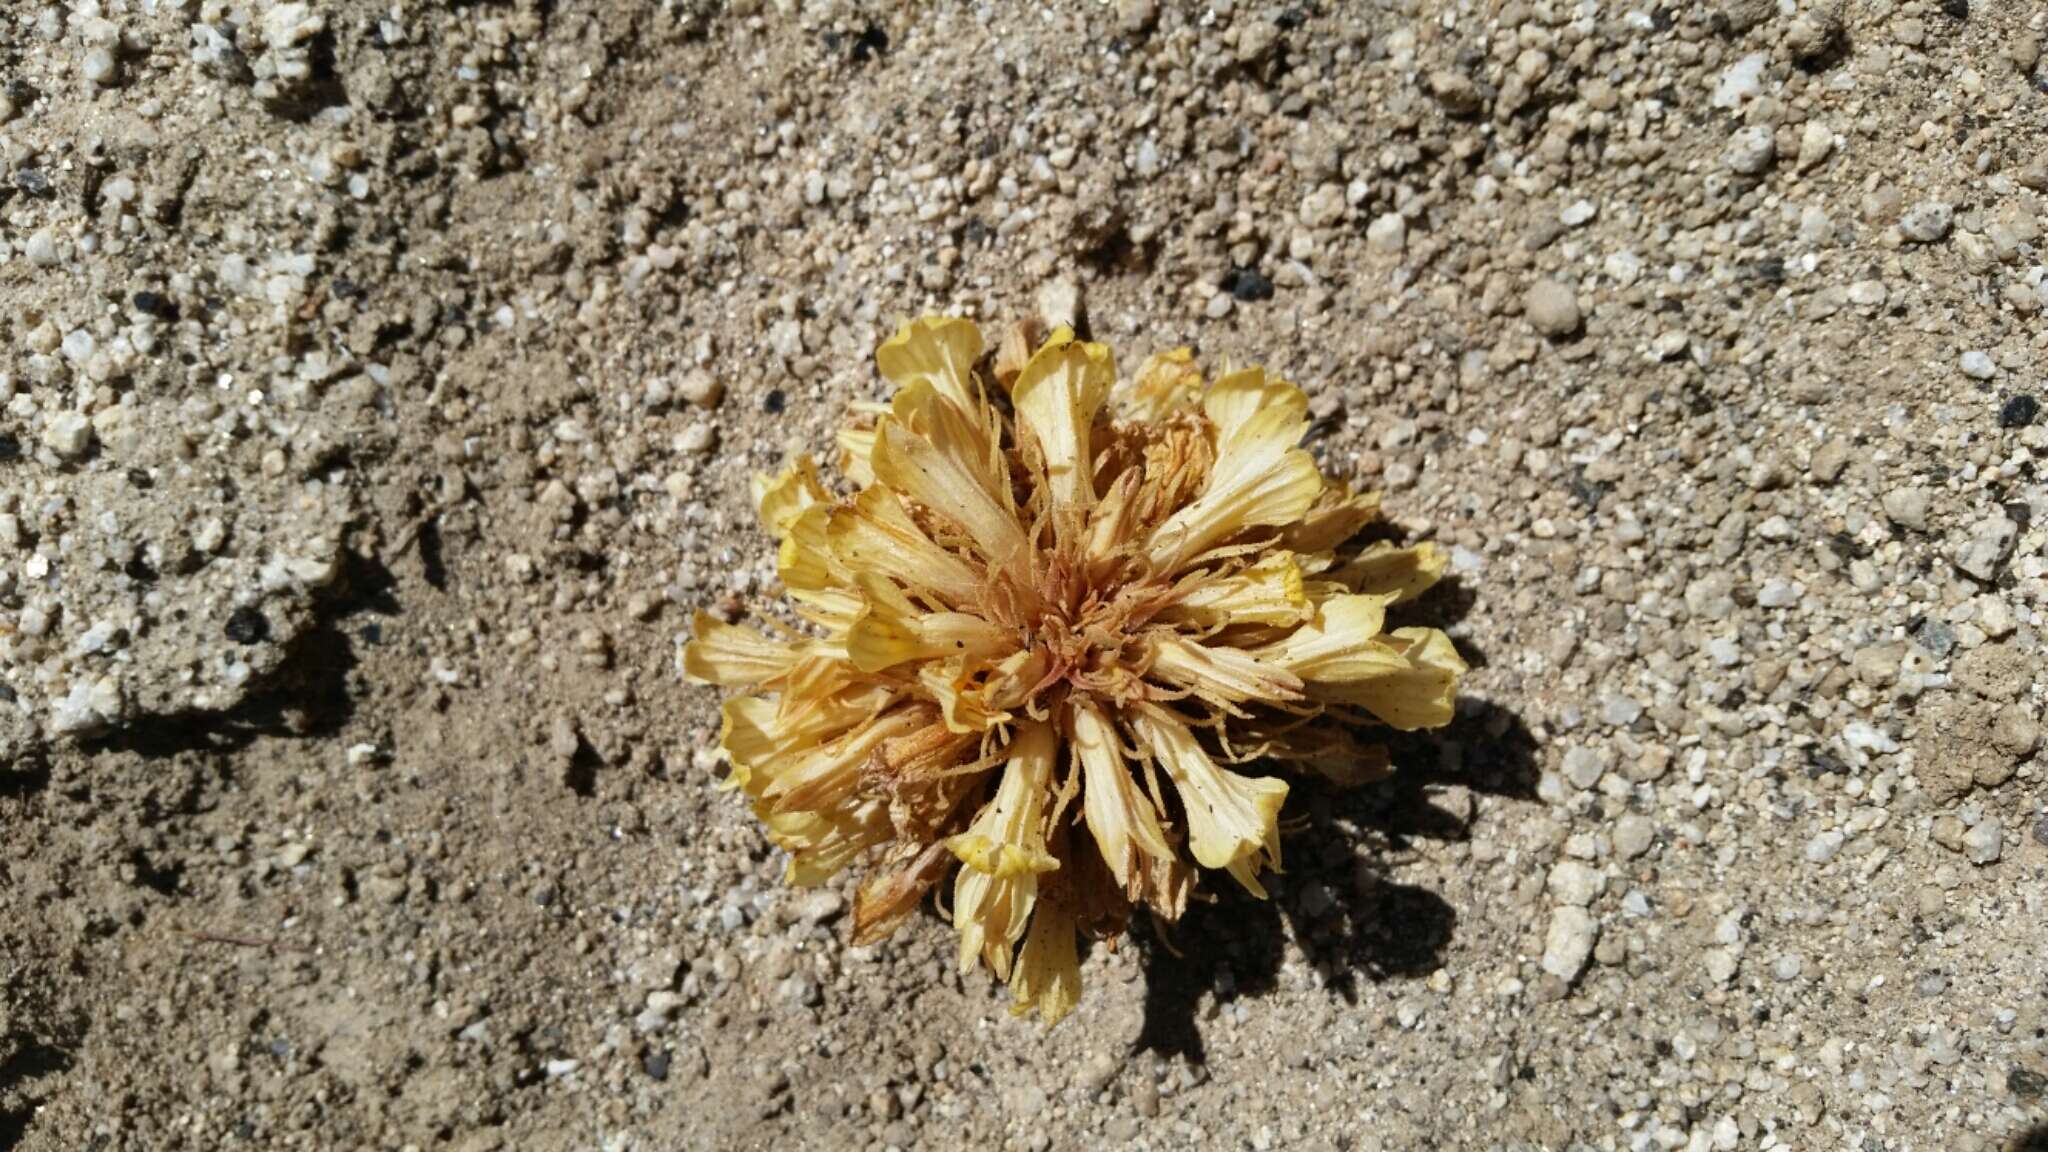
[[385, 391]]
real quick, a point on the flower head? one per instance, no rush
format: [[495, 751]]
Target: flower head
[[1057, 616]]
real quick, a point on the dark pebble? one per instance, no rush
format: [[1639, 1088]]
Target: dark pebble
[[248, 626], [2019, 411], [774, 402], [1956, 9], [656, 1063], [155, 304], [32, 181], [1248, 285], [10, 448]]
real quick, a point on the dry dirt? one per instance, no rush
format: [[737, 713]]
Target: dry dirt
[[381, 386]]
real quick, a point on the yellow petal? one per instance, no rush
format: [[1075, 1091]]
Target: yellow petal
[[1217, 674], [781, 498], [755, 733], [1233, 820], [1004, 853], [822, 778], [1386, 570], [936, 351], [856, 450], [877, 535], [1270, 592], [734, 657], [1120, 817], [1336, 517], [1338, 645], [1057, 397], [940, 468], [804, 559], [893, 631], [1048, 975], [1167, 383], [1259, 479], [821, 844], [1421, 691], [1235, 398]]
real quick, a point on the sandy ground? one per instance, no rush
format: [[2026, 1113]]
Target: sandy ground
[[380, 391]]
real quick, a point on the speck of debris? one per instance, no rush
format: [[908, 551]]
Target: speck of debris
[[1248, 285], [2019, 411], [248, 625]]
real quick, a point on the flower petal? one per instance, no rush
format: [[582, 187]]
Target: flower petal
[[1217, 674], [1386, 570], [941, 466], [876, 534], [938, 351], [781, 498], [1270, 592], [734, 657], [1235, 398], [1338, 644], [1167, 383], [893, 631], [1004, 853], [1421, 691], [1120, 816], [1057, 397], [1048, 975], [1233, 820], [1259, 479]]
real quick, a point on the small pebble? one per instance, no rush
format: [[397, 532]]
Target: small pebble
[[1927, 222], [1551, 308]]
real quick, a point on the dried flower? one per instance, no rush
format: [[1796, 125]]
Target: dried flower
[[1043, 633]]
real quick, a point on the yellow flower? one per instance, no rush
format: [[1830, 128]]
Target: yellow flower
[[1041, 630]]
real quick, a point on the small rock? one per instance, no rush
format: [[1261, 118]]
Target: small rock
[[1927, 222], [1059, 304], [1583, 767], [1578, 212], [1387, 234], [697, 439], [1829, 460], [2018, 412], [1816, 141], [1985, 552], [1750, 151], [1324, 206], [1136, 16], [1977, 365], [1985, 843], [1743, 80], [1248, 285], [68, 434], [1569, 943], [1788, 967], [821, 907], [1551, 308], [1575, 884], [42, 248], [1633, 836], [701, 389], [1907, 507], [1823, 847], [1456, 92], [1721, 965]]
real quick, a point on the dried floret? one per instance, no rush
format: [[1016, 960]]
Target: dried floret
[[1048, 629]]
